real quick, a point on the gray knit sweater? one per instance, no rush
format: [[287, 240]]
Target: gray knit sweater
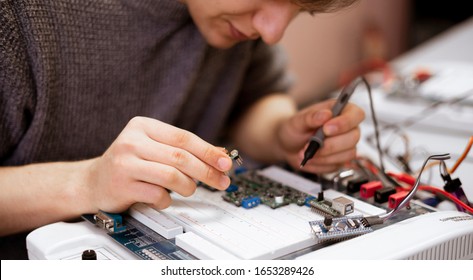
[[74, 72]]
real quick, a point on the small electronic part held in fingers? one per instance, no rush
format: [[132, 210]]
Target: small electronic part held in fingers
[[234, 155]]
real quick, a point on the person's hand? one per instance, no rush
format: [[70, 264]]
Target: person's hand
[[149, 158], [342, 134]]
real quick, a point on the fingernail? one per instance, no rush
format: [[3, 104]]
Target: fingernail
[[330, 129], [224, 182], [224, 163]]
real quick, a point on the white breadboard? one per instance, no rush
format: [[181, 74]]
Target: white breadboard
[[257, 233], [204, 225]]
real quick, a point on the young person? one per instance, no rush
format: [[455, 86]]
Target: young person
[[108, 103]]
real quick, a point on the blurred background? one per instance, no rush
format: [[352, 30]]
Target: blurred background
[[326, 50]]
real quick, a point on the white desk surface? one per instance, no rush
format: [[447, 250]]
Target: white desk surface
[[455, 44]]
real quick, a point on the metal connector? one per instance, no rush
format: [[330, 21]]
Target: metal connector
[[113, 223]]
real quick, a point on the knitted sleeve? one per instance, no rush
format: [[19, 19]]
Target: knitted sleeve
[[16, 82]]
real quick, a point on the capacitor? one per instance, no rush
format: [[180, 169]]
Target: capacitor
[[279, 199]]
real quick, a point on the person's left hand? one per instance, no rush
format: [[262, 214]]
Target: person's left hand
[[342, 134]]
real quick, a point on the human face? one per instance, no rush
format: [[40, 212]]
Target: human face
[[224, 23]]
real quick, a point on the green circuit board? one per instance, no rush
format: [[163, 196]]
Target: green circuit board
[[249, 189]]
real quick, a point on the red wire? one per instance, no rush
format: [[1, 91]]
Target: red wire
[[373, 169], [448, 195], [406, 178]]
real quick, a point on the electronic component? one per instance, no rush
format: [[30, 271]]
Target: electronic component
[[339, 228], [111, 222], [396, 199], [143, 241], [354, 185], [323, 208], [234, 198], [443, 235], [382, 195], [337, 207], [372, 220], [453, 186], [343, 205], [232, 188], [250, 202], [338, 179], [249, 189], [89, 255], [234, 232], [256, 233], [234, 155], [368, 190]]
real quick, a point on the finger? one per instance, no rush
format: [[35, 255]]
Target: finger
[[303, 124], [184, 162], [350, 118], [179, 138], [339, 143], [308, 120], [156, 196], [299, 128], [333, 159], [317, 162], [314, 168], [320, 169], [323, 105], [159, 174]]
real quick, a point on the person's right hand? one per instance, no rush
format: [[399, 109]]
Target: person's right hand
[[149, 158]]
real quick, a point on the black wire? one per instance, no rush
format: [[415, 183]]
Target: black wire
[[375, 124], [411, 120], [426, 111], [366, 171], [402, 160]]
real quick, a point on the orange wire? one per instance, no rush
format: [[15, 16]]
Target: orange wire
[[463, 156]]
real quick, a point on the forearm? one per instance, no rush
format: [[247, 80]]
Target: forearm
[[256, 133], [39, 194], [147, 159]]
